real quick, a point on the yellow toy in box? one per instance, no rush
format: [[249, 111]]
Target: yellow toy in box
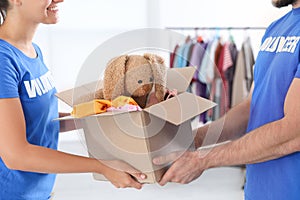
[[122, 100], [98, 106], [95, 106]]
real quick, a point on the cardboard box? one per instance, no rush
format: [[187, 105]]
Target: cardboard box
[[137, 137]]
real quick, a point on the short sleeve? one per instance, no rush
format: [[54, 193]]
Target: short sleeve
[[8, 77], [297, 75]]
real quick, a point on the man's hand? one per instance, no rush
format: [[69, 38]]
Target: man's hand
[[187, 167]]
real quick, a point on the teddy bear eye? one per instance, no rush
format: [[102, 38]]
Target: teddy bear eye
[[140, 81], [151, 79]]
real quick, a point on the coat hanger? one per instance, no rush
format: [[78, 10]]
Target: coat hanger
[[231, 38]]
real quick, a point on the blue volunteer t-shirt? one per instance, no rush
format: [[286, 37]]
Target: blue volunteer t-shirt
[[29, 80], [277, 65]]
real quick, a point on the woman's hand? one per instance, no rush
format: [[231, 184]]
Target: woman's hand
[[122, 175], [70, 124], [63, 114]]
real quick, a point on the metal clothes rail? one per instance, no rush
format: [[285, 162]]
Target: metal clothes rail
[[219, 28]]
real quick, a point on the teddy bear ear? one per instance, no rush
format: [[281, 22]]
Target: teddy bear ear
[[113, 85], [152, 58], [159, 71]]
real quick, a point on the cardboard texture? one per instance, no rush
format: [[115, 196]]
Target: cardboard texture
[[137, 137]]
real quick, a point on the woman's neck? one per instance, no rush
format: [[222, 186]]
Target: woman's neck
[[19, 36]]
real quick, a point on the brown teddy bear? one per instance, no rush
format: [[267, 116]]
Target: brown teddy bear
[[134, 76]]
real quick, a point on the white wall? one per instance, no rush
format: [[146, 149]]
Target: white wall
[[101, 14], [218, 12], [86, 24]]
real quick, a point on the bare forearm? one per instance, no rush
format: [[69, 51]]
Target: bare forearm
[[44, 160], [231, 126], [265, 143], [268, 142], [236, 121]]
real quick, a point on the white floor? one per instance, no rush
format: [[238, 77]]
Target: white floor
[[214, 184]]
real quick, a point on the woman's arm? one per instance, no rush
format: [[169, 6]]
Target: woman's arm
[[18, 154]]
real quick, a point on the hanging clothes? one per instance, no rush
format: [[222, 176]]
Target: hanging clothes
[[217, 87], [197, 54], [182, 54], [172, 56], [225, 62], [196, 58], [229, 72], [206, 71], [243, 75], [223, 74]]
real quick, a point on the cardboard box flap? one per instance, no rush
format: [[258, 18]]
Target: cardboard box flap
[[180, 108], [75, 96], [105, 114], [180, 78]]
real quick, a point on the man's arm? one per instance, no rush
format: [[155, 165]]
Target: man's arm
[[229, 127], [271, 141]]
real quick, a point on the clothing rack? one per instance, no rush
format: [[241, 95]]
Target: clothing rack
[[234, 67], [232, 30], [218, 28]]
